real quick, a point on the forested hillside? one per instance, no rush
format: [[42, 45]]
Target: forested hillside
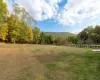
[[60, 34]]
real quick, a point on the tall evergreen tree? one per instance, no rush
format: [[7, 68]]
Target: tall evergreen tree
[[43, 38]]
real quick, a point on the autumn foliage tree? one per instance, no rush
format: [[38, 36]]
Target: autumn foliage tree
[[4, 32], [3, 20], [17, 27], [3, 12], [29, 33]]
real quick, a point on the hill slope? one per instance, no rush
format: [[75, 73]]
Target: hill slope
[[60, 34]]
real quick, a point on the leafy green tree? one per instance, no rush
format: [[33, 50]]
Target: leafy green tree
[[73, 39], [85, 34], [97, 29], [23, 35], [90, 35], [14, 28], [49, 39], [58, 41], [96, 34], [95, 37], [36, 33], [43, 38]]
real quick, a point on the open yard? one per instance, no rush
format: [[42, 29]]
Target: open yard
[[47, 62]]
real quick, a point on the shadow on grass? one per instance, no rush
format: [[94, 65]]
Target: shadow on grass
[[46, 58]]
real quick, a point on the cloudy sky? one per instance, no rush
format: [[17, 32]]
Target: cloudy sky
[[62, 15]]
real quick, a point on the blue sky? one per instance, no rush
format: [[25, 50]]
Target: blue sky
[[62, 15]]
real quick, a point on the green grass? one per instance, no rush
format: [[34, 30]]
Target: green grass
[[47, 62], [36, 50], [40, 78], [85, 66]]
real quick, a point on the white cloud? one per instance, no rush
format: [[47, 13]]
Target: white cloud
[[41, 9], [76, 31], [73, 12]]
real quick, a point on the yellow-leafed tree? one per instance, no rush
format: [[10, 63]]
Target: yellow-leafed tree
[[29, 33], [3, 32]]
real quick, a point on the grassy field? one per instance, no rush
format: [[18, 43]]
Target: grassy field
[[46, 62]]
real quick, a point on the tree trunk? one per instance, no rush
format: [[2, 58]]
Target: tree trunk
[[14, 41]]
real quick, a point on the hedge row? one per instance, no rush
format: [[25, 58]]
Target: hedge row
[[85, 46]]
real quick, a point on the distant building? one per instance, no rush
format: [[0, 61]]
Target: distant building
[[89, 41]]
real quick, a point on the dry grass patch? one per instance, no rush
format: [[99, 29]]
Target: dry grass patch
[[47, 62]]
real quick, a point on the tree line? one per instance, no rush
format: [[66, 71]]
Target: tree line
[[16, 27], [20, 27], [90, 35]]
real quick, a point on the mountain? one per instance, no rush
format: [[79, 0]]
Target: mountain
[[60, 34]]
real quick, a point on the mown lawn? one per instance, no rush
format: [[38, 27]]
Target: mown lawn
[[47, 62]]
